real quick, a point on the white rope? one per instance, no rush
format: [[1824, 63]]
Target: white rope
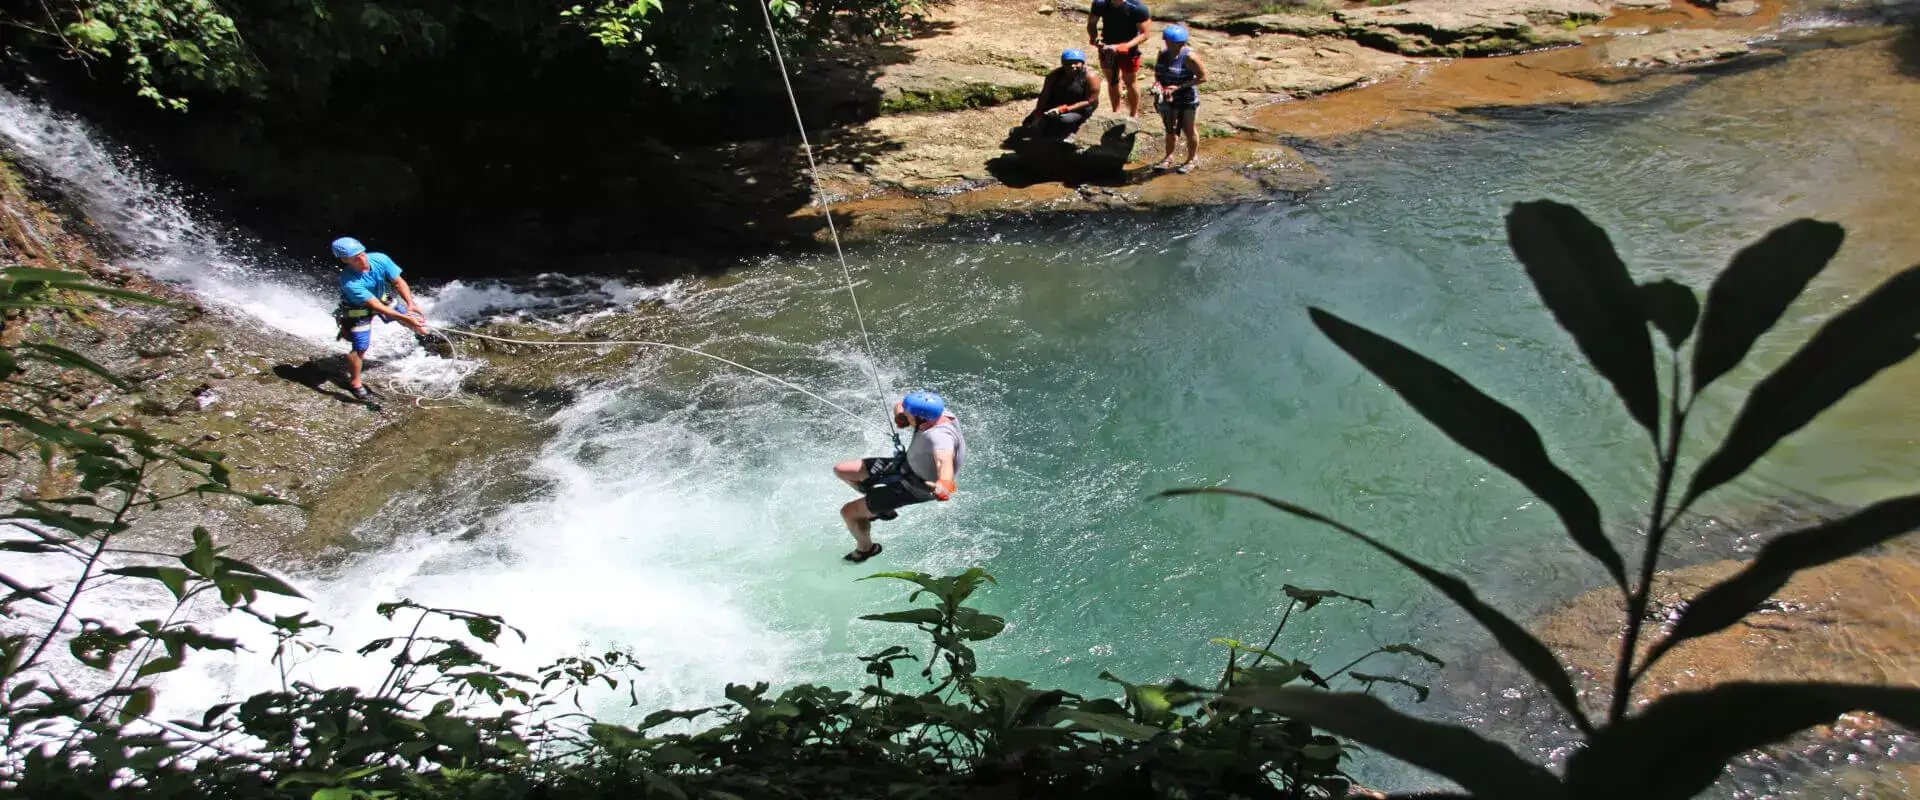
[[833, 232], [728, 362]]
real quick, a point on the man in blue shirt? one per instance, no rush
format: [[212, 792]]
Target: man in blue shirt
[[368, 282]]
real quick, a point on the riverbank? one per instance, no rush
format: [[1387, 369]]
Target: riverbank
[[215, 379], [1280, 73]]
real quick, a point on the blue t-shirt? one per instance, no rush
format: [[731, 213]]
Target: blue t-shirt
[[1119, 19], [356, 287]]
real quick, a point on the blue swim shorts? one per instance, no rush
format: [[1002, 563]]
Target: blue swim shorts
[[361, 334]]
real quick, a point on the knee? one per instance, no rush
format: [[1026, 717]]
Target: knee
[[855, 510]]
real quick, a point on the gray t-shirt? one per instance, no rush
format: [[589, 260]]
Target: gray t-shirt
[[944, 435]]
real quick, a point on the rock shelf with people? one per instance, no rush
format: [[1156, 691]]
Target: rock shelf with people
[[939, 149]]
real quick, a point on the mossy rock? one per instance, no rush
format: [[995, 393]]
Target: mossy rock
[[958, 98], [923, 87]]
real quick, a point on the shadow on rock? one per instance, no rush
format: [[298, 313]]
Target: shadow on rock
[[326, 375], [1033, 160]]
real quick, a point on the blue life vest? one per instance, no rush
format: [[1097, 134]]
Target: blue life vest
[[1172, 70]]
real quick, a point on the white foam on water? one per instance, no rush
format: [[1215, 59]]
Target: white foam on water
[[657, 520], [162, 237]]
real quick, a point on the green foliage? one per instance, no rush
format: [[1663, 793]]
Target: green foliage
[[1679, 744], [156, 43], [166, 48]]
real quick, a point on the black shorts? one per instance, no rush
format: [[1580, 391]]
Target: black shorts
[[890, 486]]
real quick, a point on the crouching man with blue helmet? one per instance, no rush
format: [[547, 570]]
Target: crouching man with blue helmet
[[887, 484], [368, 282]]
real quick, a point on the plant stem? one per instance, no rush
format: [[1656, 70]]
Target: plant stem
[[1658, 521], [86, 572], [1352, 664], [1258, 657]]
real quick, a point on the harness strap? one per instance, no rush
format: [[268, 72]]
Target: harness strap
[[361, 311]]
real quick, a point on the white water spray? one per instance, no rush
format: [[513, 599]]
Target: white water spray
[[652, 519]]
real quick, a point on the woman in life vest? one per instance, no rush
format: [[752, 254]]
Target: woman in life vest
[[1176, 75]]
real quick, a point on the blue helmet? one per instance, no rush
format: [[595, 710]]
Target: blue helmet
[[1175, 34], [347, 247], [1075, 54], [924, 405]]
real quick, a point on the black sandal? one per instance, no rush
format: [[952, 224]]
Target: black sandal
[[858, 555]]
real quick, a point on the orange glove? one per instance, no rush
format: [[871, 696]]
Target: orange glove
[[943, 490]]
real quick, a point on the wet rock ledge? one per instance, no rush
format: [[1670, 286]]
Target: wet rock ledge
[[949, 96]]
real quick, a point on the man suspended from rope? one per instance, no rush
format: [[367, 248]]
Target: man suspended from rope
[[368, 282], [937, 451]]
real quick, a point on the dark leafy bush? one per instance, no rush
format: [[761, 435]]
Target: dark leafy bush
[[1679, 744]]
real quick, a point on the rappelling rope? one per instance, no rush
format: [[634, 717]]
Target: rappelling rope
[[826, 206], [727, 361], [833, 233]]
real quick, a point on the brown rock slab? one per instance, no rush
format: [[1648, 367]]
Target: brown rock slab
[[1468, 27], [1852, 620], [1673, 48]]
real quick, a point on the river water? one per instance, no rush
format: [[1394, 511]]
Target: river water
[[687, 512]]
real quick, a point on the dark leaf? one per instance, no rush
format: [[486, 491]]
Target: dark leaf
[[97, 647], [1532, 656], [1877, 332], [1680, 745], [484, 629], [260, 579], [975, 626], [1672, 308], [1733, 599], [37, 275], [913, 616], [1755, 289], [1410, 650], [1482, 425], [139, 703], [1420, 690], [157, 666], [1585, 285], [57, 433], [1311, 597], [72, 360], [1109, 724], [21, 690], [174, 577], [663, 785], [1487, 770]]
